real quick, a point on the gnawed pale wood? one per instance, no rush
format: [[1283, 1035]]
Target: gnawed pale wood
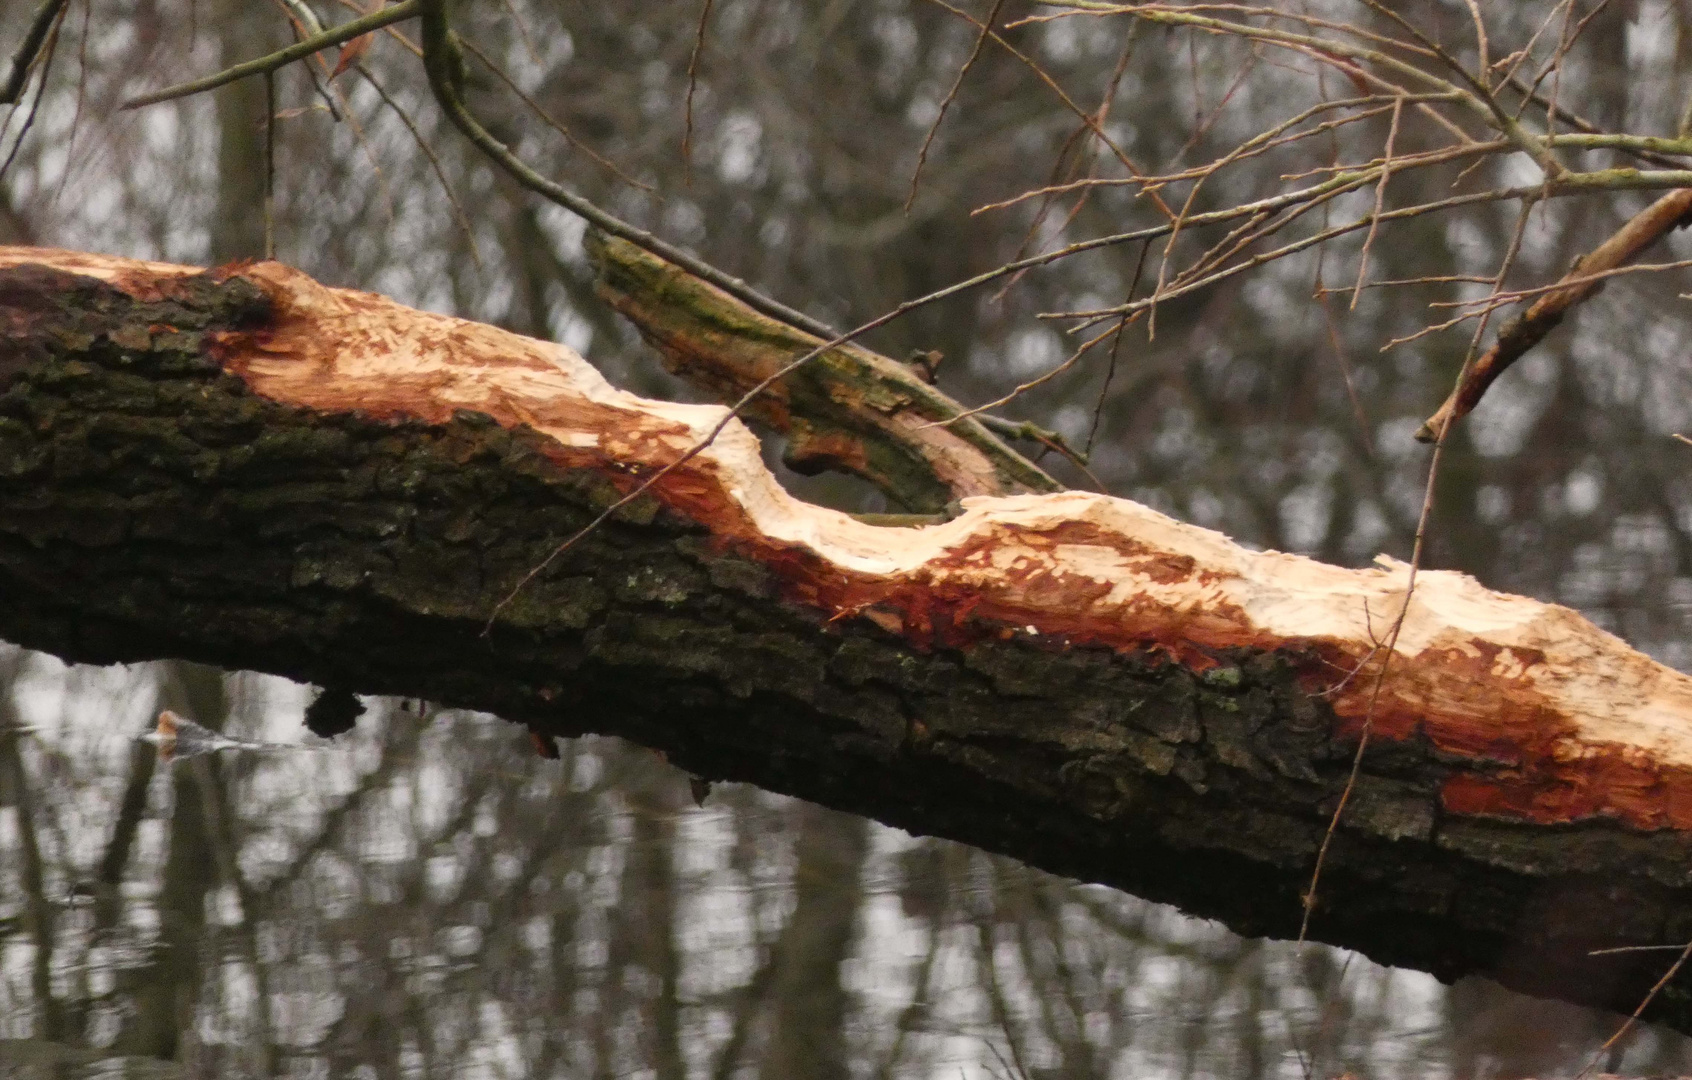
[[1561, 719], [326, 484]]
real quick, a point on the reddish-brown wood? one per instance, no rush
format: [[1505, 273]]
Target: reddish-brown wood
[[1508, 715], [1559, 720]]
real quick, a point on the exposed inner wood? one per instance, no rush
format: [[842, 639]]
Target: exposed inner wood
[[252, 469], [1587, 725]]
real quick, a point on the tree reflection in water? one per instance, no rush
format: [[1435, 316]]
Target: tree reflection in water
[[432, 899]]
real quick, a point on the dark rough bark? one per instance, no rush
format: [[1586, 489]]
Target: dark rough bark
[[152, 504]]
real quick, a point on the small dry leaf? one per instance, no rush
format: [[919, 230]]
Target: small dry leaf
[[352, 52], [289, 114]]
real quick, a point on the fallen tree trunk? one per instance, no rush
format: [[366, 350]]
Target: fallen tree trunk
[[249, 469]]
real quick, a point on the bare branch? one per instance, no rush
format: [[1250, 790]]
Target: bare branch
[[281, 58], [1380, 203], [1528, 329], [535, 107], [23, 61], [692, 85], [946, 102]]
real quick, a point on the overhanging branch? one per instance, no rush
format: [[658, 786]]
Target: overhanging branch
[[850, 409]]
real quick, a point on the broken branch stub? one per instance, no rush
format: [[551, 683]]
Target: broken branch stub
[[1530, 327], [849, 409]]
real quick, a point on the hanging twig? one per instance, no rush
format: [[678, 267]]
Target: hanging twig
[[945, 102], [29, 49], [1388, 647], [1380, 203], [1529, 328], [270, 165], [406, 9], [692, 85]]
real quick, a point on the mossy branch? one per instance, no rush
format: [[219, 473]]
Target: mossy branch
[[850, 409]]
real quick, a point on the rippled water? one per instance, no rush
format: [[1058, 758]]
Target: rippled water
[[430, 898]]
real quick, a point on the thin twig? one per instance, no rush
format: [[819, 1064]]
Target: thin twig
[[1380, 203], [1032, 233], [281, 58], [1484, 63], [1038, 380], [1627, 1025], [1257, 145], [692, 84], [1344, 361], [1389, 647], [1510, 296], [527, 38], [81, 96], [1554, 66], [1526, 192], [946, 102], [1428, 279], [1349, 29], [1525, 53], [369, 152], [1439, 156], [1206, 122], [1175, 232], [46, 17], [1069, 103], [1636, 948], [1115, 351], [48, 50], [1333, 51], [1565, 41], [459, 216], [1089, 154], [535, 107], [1536, 148], [270, 165]]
